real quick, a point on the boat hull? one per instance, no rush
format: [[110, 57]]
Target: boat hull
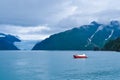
[[77, 56]]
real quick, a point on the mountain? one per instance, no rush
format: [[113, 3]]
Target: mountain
[[85, 37], [112, 45], [7, 42]]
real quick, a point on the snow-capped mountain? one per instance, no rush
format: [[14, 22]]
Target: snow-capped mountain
[[7, 42], [85, 37]]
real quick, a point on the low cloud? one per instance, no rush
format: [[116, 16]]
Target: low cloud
[[26, 33]]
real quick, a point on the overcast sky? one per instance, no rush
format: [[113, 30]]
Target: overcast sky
[[37, 19]]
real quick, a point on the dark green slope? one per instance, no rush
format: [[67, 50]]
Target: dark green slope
[[69, 40], [112, 45]]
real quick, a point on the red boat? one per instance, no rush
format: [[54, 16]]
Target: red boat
[[80, 56]]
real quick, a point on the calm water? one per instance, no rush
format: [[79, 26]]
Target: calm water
[[59, 65]]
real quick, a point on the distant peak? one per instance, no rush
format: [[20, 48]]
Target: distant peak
[[94, 23], [115, 22], [2, 34]]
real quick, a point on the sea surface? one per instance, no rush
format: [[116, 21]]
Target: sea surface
[[59, 65]]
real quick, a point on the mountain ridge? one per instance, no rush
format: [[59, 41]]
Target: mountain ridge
[[85, 37], [7, 42]]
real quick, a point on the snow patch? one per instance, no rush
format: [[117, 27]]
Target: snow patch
[[110, 35], [2, 36], [99, 28], [90, 39]]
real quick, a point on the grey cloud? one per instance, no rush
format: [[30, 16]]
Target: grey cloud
[[29, 12], [52, 12]]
